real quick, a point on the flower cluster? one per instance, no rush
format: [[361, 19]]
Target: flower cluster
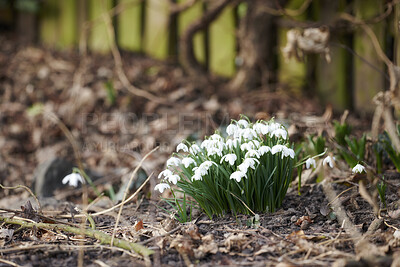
[[248, 168]]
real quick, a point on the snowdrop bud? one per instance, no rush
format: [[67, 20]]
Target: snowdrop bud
[[161, 187], [358, 168]]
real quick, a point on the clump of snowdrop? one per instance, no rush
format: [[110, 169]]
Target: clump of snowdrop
[[248, 171]]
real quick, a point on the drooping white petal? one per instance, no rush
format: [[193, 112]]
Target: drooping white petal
[[182, 147], [329, 160], [238, 175], [161, 187], [231, 158], [165, 173], [173, 178], [231, 129], [173, 161], [252, 153], [188, 161], [288, 152], [277, 148], [279, 133], [243, 123], [310, 163], [358, 168], [263, 149], [194, 149], [73, 179]]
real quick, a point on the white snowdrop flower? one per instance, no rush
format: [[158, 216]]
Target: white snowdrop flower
[[252, 153], [243, 167], [238, 175], [243, 123], [329, 160], [288, 152], [274, 126], [232, 143], [182, 147], [245, 146], [310, 163], [194, 149], [248, 133], [187, 162], [258, 127], [251, 162], [263, 149], [161, 187], [214, 151], [216, 137], [173, 178], [205, 144], [73, 179], [231, 158], [165, 173], [279, 133], [277, 148], [201, 171], [197, 177], [358, 168], [231, 129], [254, 144], [173, 161], [207, 164]]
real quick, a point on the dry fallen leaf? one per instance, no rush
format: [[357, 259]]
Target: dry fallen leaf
[[138, 225], [235, 241], [208, 246]]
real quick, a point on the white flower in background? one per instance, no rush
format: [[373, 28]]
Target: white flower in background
[[183, 147], [194, 149], [288, 152], [329, 160], [200, 171], [231, 158], [232, 143], [250, 162], [279, 133], [248, 133], [173, 178], [231, 129], [216, 137], [252, 153], [274, 126], [243, 123], [165, 173], [207, 164], [277, 148], [173, 161], [188, 161], [205, 144], [161, 187], [211, 151], [358, 168], [261, 128], [254, 144], [238, 175], [73, 179], [264, 149], [197, 177], [243, 167], [310, 163]]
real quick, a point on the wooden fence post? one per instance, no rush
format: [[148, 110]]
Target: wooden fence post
[[367, 80], [129, 26]]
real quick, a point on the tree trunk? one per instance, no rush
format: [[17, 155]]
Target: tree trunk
[[257, 38]]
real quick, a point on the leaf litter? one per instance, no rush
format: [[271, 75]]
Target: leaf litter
[[115, 132]]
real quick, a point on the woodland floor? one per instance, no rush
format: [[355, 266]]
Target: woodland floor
[[115, 129]]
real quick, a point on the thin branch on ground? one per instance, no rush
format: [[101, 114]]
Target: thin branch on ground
[[102, 237], [127, 191]]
